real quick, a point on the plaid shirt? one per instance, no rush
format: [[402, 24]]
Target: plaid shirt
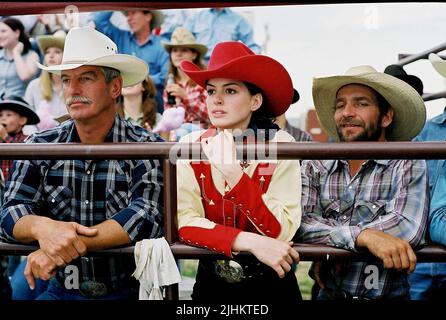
[[298, 134], [89, 192], [194, 104], [6, 165], [387, 195]]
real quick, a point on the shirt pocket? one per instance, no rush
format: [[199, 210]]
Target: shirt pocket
[[367, 211], [59, 202]]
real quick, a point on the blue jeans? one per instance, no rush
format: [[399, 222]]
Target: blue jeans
[[428, 281], [20, 287], [56, 291]]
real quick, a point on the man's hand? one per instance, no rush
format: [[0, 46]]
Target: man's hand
[[61, 241], [3, 132], [394, 252], [276, 254], [39, 265]]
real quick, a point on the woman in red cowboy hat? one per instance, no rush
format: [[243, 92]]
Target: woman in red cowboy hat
[[232, 206]]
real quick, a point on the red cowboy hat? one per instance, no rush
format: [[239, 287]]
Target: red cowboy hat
[[234, 60]]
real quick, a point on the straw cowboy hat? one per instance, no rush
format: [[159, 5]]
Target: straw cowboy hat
[[182, 37], [438, 63], [234, 60], [409, 109], [399, 72], [84, 46], [20, 106], [55, 40]]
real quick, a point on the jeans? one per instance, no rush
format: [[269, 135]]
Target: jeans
[[428, 281], [20, 287], [56, 291]]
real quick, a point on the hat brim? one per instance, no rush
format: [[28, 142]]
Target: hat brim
[[438, 63], [409, 109], [200, 48], [264, 72], [21, 109], [133, 70]]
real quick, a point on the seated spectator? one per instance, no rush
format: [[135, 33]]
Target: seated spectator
[[379, 205], [124, 203], [139, 42], [183, 91], [138, 104], [17, 60], [214, 25], [229, 205], [44, 94]]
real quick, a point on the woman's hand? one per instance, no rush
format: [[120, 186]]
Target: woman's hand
[[176, 90], [18, 49], [221, 153], [275, 253]]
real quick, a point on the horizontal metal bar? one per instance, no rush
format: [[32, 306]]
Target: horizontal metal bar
[[434, 96], [171, 150], [421, 55], [307, 252]]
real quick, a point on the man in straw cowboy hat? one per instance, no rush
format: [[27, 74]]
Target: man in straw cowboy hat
[[70, 207], [379, 205], [429, 280], [140, 41]]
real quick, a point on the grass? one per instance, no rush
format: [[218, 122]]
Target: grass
[[189, 269]]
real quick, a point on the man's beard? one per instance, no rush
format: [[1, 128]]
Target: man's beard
[[369, 134]]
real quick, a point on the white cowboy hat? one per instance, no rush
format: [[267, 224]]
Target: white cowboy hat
[[182, 37], [409, 109], [438, 64], [85, 46]]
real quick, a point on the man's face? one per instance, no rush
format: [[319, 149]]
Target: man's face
[[357, 114], [86, 93], [138, 20]]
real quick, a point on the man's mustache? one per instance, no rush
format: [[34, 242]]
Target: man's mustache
[[75, 99]]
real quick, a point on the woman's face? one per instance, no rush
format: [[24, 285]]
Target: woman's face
[[230, 104], [178, 54], [8, 37], [137, 89], [53, 56]]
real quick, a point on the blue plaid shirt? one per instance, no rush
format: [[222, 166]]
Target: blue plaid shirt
[[387, 195], [89, 192]]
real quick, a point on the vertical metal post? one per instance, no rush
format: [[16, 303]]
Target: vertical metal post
[[170, 215]]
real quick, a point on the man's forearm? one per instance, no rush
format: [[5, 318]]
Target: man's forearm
[[110, 234], [26, 229]]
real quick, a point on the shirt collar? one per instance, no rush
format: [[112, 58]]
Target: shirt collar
[[128, 117], [224, 10], [440, 119], [116, 133]]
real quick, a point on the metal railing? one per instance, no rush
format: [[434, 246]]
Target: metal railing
[[284, 150]]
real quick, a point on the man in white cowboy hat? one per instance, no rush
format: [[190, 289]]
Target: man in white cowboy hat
[[140, 42], [72, 206], [428, 282], [379, 205]]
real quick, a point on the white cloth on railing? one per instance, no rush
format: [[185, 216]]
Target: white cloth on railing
[[155, 268]]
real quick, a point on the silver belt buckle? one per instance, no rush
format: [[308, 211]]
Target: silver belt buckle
[[92, 289], [229, 270]]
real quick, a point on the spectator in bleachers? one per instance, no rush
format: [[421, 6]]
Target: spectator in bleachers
[[138, 104], [73, 206], [184, 92], [44, 94], [214, 25], [139, 42], [379, 205], [282, 122], [230, 206], [17, 60], [428, 281]]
